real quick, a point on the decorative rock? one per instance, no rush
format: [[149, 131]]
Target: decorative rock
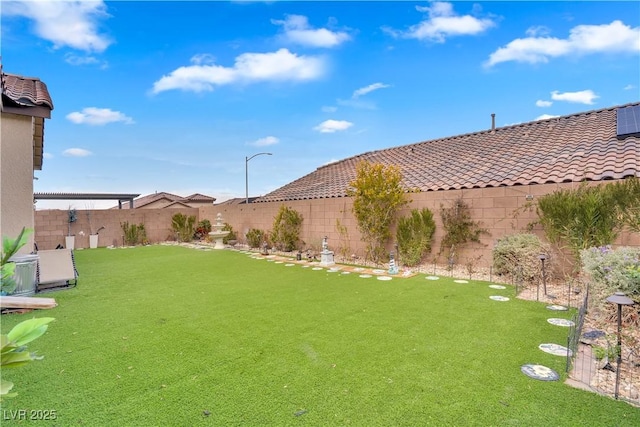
[[539, 372]]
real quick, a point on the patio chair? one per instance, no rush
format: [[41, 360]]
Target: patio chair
[[56, 269]]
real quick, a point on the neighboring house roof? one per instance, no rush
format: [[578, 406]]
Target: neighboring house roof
[[27, 96], [236, 201], [170, 200], [583, 146]]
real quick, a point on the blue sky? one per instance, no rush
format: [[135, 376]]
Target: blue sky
[[173, 96]]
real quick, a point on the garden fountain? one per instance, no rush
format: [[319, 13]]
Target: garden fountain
[[218, 233]]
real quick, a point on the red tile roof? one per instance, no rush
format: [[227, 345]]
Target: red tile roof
[[171, 198], [572, 148], [26, 91]]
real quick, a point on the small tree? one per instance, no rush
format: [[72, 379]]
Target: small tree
[[183, 226], [255, 237], [459, 229], [286, 229], [378, 194], [414, 236]]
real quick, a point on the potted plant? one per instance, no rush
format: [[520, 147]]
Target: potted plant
[[70, 239], [93, 237]]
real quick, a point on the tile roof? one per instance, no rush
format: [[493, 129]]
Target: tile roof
[[571, 148], [26, 91], [171, 198]]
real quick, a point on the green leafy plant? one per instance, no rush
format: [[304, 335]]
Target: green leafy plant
[[459, 229], [183, 226], [232, 234], [134, 234], [518, 255], [414, 236], [255, 238], [13, 350], [286, 229], [7, 268], [72, 216], [589, 216], [612, 270], [377, 194]]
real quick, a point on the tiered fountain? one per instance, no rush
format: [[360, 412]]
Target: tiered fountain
[[217, 233]]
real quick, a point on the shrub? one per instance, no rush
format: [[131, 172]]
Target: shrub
[[286, 229], [518, 255], [183, 226], [232, 234], [377, 195], [203, 229], [255, 238], [459, 229], [414, 235], [134, 234], [612, 270]]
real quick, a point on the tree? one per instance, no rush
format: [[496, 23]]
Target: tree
[[378, 194], [286, 229], [414, 235]]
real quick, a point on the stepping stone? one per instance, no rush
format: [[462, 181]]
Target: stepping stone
[[384, 278], [556, 349], [378, 271], [539, 372], [365, 276], [305, 266], [358, 269], [317, 268], [556, 307], [498, 298], [289, 265], [432, 278], [332, 270], [561, 322], [461, 281], [497, 287], [346, 272], [278, 262], [593, 335]]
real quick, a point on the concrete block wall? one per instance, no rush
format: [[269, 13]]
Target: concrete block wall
[[51, 226]]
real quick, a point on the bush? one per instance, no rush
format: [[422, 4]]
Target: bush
[[183, 226], [232, 234], [203, 229], [612, 270], [459, 229], [134, 234], [518, 255], [255, 238], [414, 236], [286, 229]]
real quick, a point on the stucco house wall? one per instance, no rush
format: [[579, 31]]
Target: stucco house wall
[[16, 176]]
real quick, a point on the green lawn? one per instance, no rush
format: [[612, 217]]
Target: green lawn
[[163, 335]]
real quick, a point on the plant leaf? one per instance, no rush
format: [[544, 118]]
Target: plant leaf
[[29, 330]]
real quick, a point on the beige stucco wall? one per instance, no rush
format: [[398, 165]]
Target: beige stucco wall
[[16, 176]]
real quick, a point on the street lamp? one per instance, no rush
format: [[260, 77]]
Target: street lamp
[[246, 174], [620, 299]]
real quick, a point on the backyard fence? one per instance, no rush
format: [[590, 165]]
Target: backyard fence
[[594, 367]]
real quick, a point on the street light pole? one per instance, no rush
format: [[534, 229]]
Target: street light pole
[[246, 174]]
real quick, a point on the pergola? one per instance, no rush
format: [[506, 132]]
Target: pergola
[[120, 197]]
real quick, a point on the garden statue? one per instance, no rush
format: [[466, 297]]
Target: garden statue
[[326, 256]]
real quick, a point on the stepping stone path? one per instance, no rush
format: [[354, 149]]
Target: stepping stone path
[[539, 372], [561, 322], [556, 349], [555, 307]]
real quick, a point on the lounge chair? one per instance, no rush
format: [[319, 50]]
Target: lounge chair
[[56, 269]]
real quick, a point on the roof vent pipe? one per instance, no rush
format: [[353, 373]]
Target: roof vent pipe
[[493, 122]]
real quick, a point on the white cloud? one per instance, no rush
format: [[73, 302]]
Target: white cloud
[[615, 37], [580, 97], [76, 152], [263, 142], [443, 22], [297, 30], [546, 116], [367, 89], [356, 103], [630, 87], [47, 155], [537, 31], [541, 103], [332, 126], [77, 60], [98, 117], [64, 23], [281, 65], [329, 109]]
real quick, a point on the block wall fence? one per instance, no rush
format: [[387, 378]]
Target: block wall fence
[[501, 210]]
